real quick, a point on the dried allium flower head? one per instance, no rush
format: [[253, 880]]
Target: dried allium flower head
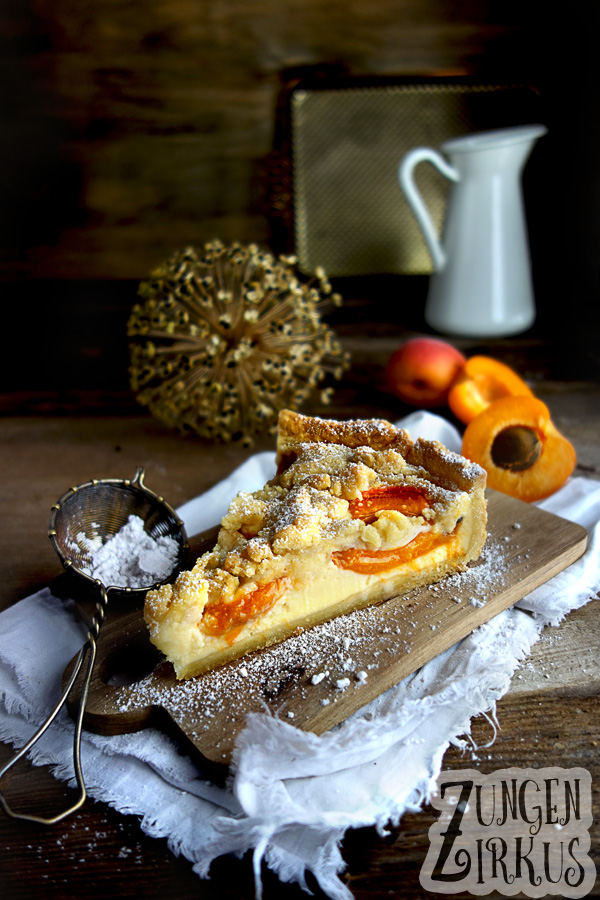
[[228, 336]]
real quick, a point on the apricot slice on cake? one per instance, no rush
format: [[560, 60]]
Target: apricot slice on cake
[[408, 500], [227, 619], [375, 562], [482, 381], [522, 451]]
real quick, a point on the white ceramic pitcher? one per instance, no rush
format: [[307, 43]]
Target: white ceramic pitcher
[[481, 283]]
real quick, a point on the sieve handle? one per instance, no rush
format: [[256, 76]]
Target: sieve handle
[[91, 645]]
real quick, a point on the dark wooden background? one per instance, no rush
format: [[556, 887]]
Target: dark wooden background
[[129, 129]]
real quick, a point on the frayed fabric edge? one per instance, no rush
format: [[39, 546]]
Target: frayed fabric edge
[[330, 881]]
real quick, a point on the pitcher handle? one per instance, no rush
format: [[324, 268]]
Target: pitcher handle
[[416, 202]]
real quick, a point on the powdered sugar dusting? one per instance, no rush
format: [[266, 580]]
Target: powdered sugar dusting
[[131, 558]]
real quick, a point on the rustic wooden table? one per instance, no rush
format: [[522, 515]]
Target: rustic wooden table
[[551, 715]]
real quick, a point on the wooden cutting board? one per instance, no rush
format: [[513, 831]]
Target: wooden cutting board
[[318, 678]]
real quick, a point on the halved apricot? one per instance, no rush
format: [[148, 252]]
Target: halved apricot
[[228, 619], [410, 501], [520, 448], [376, 562], [482, 381]]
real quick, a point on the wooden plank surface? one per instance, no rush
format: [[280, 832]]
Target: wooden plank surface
[[352, 660]]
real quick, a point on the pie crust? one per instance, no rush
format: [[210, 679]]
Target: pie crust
[[357, 513]]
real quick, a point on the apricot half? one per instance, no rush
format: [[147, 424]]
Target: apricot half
[[522, 451], [422, 369], [482, 381]]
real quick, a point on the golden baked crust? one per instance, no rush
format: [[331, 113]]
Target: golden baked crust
[[356, 507], [294, 429]]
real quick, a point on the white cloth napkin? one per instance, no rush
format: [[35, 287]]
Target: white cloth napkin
[[292, 795]]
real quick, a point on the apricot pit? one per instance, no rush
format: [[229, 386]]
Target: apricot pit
[[516, 448]]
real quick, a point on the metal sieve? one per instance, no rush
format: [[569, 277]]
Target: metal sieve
[[85, 516]]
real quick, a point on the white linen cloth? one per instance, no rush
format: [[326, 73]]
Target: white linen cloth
[[292, 795]]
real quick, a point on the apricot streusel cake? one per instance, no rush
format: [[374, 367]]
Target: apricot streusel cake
[[356, 513]]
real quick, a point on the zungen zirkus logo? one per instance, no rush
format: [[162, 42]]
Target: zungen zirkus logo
[[513, 831]]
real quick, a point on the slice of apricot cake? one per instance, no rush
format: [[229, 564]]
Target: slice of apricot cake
[[356, 513]]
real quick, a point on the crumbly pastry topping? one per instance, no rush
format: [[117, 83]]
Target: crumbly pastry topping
[[314, 508]]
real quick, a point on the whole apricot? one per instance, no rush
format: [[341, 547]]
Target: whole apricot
[[422, 371]]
